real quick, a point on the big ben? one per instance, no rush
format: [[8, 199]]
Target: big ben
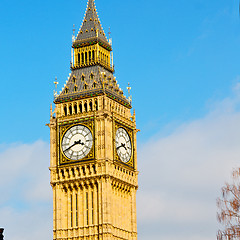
[[93, 150]]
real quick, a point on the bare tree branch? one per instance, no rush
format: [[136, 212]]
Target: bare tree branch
[[229, 209]]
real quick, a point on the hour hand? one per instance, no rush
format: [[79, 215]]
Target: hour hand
[[79, 142], [119, 147], [122, 145]]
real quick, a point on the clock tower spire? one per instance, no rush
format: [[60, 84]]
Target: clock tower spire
[[93, 163]]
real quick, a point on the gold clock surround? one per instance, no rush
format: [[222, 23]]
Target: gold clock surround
[[62, 130], [118, 125]]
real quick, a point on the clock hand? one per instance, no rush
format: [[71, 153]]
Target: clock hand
[[75, 143], [71, 146], [122, 145], [119, 147]]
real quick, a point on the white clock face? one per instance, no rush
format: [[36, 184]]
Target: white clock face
[[77, 142], [123, 145]]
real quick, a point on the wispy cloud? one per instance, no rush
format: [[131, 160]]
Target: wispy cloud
[[181, 174], [25, 193], [180, 178]]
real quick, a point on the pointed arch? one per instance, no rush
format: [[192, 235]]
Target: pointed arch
[[74, 79], [90, 106], [70, 109], [91, 76], [86, 57], [80, 107], [75, 108], [82, 58], [89, 56], [85, 86], [96, 105], [65, 110], [85, 107], [94, 84]]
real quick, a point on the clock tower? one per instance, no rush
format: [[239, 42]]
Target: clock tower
[[93, 164]]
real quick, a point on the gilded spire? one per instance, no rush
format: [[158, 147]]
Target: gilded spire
[[91, 28], [92, 64]]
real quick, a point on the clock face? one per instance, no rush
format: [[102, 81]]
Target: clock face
[[77, 142], [123, 145]]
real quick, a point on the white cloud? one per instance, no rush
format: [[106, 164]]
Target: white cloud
[[180, 178], [181, 174], [25, 192]]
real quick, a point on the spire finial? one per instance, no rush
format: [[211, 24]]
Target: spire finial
[[91, 27], [109, 33], [73, 34], [129, 96], [129, 88], [56, 84], [51, 112]]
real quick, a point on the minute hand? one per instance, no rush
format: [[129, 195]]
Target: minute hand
[[75, 143]]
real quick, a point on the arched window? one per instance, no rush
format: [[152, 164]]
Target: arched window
[[80, 107], [70, 109], [65, 110], [94, 85], [90, 106], [83, 78], [91, 76], [82, 58], [85, 86], [74, 79], [79, 58], [75, 108], [86, 57], [89, 55], [96, 104], [85, 106], [93, 55], [75, 88], [66, 90]]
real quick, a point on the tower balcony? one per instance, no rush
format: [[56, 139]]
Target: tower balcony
[[92, 62]]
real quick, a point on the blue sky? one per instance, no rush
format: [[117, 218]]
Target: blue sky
[[182, 61], [177, 56]]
